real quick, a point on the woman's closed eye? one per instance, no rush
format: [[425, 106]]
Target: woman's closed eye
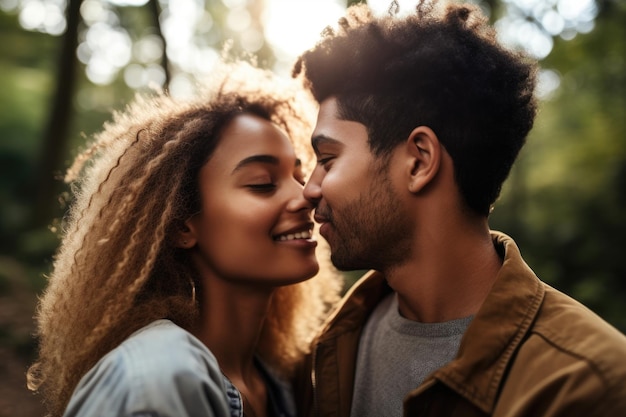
[[264, 187]]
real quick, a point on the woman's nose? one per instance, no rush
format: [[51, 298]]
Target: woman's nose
[[297, 200]]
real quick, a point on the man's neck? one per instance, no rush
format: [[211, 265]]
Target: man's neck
[[448, 277]]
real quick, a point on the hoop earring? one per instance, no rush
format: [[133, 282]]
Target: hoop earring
[[193, 290]]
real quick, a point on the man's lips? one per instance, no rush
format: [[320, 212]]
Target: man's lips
[[324, 222], [320, 219], [322, 215]]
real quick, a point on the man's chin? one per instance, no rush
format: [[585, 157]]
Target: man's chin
[[344, 264]]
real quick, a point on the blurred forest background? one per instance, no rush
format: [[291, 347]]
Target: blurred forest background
[[66, 64]]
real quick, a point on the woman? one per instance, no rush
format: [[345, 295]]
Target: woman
[[171, 292]]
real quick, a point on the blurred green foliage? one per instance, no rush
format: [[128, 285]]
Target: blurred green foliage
[[564, 202], [27, 60]]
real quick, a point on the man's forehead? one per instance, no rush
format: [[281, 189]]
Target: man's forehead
[[328, 110]]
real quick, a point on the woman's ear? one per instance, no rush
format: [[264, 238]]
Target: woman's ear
[[185, 237], [424, 151]]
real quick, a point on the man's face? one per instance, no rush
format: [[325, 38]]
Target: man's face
[[357, 205]]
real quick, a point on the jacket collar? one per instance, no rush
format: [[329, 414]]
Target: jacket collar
[[490, 340], [497, 330], [355, 306]]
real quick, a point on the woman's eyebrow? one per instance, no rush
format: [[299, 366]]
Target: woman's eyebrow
[[254, 159]]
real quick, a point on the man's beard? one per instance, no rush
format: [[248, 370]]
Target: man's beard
[[372, 232]]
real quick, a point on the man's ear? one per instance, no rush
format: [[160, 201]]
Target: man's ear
[[185, 237], [424, 150]]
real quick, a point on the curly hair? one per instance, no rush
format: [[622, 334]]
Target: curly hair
[[117, 268], [442, 68]]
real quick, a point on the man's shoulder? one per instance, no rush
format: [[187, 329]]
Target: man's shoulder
[[568, 326], [568, 323], [569, 361], [565, 330]]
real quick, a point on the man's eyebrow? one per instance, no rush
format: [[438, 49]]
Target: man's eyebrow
[[318, 140], [255, 159]]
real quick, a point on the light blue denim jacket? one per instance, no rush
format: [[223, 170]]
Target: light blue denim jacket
[[163, 371]]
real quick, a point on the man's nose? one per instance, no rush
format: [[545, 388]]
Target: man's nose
[[313, 187]]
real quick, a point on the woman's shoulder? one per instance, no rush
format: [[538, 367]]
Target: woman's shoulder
[[161, 369], [164, 346]]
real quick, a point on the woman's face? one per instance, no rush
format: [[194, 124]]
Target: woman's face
[[255, 225]]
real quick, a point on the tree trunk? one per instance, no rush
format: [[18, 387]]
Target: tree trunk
[[55, 135], [155, 12]]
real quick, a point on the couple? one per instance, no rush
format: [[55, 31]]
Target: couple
[[182, 287]]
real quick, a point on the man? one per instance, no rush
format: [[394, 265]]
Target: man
[[420, 121]]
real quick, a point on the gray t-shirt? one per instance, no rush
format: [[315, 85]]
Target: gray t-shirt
[[396, 354]]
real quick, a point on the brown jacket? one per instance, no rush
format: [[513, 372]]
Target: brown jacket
[[530, 351]]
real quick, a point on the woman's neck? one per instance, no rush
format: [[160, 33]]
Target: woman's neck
[[231, 322]]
